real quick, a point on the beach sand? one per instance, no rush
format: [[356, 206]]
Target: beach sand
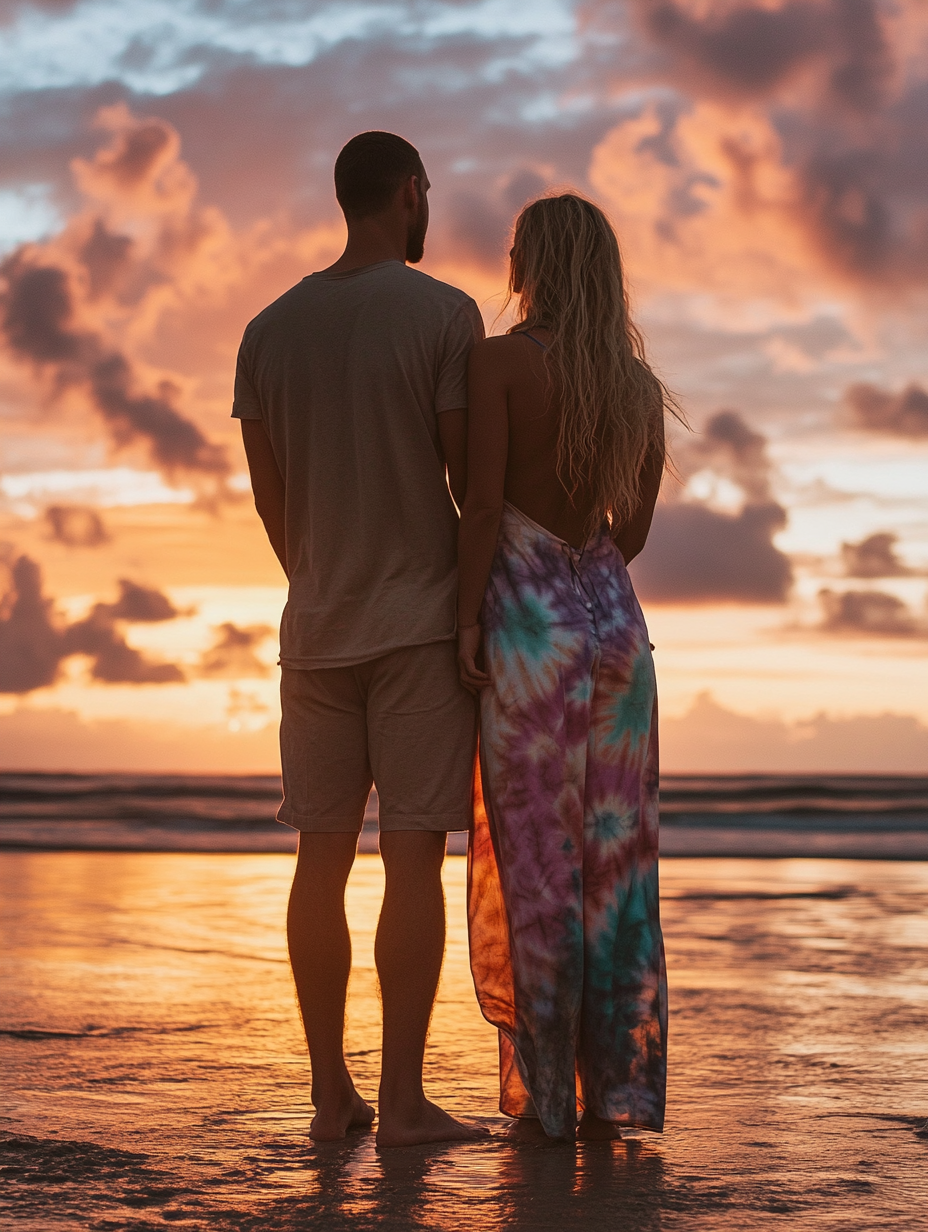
[[155, 1076]]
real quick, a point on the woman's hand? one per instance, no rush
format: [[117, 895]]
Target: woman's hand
[[472, 678]]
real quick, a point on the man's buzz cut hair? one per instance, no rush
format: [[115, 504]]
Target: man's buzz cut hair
[[370, 169]]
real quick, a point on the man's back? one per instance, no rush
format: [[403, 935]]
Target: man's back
[[349, 373], [352, 391]]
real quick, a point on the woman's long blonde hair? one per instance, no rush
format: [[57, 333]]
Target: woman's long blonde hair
[[566, 270]]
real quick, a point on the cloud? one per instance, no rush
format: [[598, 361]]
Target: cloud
[[39, 324], [861, 198], [868, 612], [233, 653], [114, 662], [263, 135], [115, 269], [34, 640], [729, 445], [712, 739], [30, 643], [53, 739], [708, 739], [76, 526], [704, 200], [9, 9], [878, 410], [481, 224], [786, 153], [138, 604], [698, 554], [788, 137], [751, 50], [873, 557]]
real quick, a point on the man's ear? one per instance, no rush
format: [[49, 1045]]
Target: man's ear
[[412, 192]]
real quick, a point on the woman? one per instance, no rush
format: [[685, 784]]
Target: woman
[[565, 456]]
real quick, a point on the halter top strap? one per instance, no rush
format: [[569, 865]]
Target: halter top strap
[[531, 337]]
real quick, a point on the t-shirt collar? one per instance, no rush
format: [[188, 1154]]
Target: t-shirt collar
[[353, 273]]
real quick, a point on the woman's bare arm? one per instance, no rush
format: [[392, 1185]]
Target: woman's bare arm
[[631, 537], [452, 432], [487, 450], [267, 485]]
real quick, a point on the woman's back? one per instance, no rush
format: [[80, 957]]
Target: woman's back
[[565, 417], [516, 363]]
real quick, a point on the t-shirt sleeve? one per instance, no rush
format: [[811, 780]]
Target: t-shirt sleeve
[[245, 404], [464, 329]]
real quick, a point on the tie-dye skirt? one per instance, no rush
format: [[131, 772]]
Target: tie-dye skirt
[[566, 946]]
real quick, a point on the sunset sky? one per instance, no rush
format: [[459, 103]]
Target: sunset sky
[[166, 172]]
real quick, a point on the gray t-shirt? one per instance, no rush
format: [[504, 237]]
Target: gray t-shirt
[[349, 373]]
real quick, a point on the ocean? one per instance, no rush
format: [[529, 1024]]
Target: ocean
[[781, 816]]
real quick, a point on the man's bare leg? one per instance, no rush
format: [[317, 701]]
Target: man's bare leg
[[409, 950], [320, 955]]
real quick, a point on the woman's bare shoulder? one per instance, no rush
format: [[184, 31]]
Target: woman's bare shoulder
[[500, 350], [498, 343]]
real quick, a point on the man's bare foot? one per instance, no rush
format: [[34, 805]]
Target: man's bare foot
[[428, 1124], [332, 1121], [594, 1129]]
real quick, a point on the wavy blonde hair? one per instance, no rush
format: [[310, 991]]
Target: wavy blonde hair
[[566, 270]]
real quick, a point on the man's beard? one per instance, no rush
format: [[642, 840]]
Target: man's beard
[[415, 241]]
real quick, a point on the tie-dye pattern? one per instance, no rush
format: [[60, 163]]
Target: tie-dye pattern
[[566, 945]]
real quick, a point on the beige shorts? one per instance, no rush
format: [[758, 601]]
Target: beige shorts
[[403, 721]]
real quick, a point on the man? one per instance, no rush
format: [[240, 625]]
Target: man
[[351, 389]]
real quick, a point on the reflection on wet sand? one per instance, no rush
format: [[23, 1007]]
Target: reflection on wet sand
[[155, 1072], [490, 1187]]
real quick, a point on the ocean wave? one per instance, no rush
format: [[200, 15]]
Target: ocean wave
[[872, 816], [52, 1033]]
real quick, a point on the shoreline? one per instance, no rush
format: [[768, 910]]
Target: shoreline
[[676, 843], [156, 1071]]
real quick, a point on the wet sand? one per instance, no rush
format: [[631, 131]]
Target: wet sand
[[154, 1072]]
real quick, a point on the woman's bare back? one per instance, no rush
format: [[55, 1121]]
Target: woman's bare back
[[513, 428], [532, 482]]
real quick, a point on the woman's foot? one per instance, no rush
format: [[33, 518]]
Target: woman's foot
[[334, 1118], [528, 1129], [594, 1129], [427, 1123]]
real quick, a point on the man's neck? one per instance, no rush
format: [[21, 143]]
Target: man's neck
[[370, 241]]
